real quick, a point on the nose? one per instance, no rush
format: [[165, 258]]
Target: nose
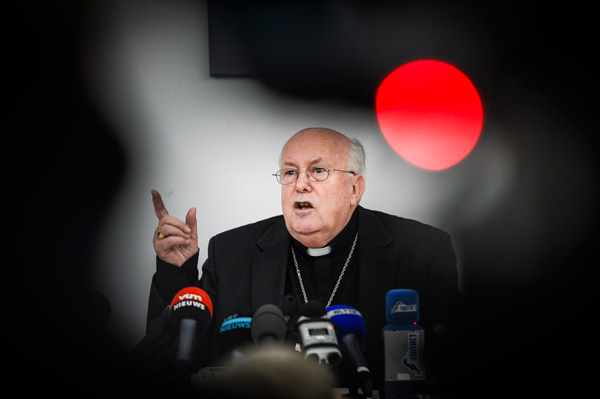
[[302, 183]]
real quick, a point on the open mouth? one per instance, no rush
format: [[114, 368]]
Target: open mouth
[[303, 205]]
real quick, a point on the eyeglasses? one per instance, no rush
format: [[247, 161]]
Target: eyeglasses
[[314, 173]]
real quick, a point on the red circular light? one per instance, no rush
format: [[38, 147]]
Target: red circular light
[[430, 113]]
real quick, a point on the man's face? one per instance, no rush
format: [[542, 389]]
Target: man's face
[[315, 212]]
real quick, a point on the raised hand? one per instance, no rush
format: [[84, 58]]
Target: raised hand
[[174, 241]]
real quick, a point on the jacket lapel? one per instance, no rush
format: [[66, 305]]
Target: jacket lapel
[[269, 266], [377, 261]]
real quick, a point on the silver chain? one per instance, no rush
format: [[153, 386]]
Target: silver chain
[[339, 278]]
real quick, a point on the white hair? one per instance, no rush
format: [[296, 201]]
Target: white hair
[[356, 157]]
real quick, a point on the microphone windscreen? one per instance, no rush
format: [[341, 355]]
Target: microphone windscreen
[[191, 303], [160, 327], [402, 306], [235, 332], [288, 308], [268, 321], [96, 310], [313, 309], [349, 321]]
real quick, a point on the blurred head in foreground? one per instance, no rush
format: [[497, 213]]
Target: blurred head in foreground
[[276, 372]]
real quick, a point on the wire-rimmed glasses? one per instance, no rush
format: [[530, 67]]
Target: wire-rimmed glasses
[[313, 173]]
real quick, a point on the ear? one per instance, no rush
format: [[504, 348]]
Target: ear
[[358, 188]]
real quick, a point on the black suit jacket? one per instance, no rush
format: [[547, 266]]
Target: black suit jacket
[[246, 268]]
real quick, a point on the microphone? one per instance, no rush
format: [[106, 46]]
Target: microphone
[[158, 333], [318, 334], [290, 315], [403, 342], [351, 333], [190, 314], [234, 334], [289, 309], [268, 325]]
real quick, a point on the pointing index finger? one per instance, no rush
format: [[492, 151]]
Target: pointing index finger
[[159, 206]]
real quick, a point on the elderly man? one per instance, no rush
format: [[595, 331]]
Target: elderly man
[[325, 247]]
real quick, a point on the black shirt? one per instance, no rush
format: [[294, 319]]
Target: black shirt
[[321, 273]]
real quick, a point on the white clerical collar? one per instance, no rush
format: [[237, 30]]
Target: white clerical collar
[[318, 251]]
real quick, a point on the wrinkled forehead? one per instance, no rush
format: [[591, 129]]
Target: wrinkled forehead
[[314, 149]]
